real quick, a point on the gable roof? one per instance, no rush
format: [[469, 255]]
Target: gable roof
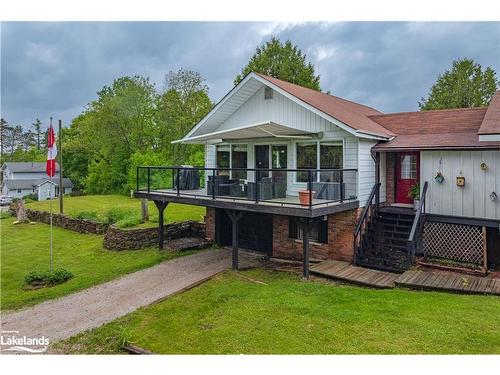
[[491, 121], [350, 113], [448, 128], [35, 182], [347, 115], [27, 166]]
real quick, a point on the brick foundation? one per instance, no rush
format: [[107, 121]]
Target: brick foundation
[[340, 239], [210, 224]]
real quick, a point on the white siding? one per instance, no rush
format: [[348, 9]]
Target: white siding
[[366, 171], [280, 110], [472, 200], [30, 175]]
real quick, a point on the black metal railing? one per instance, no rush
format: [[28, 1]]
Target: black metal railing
[[369, 211], [415, 239], [260, 185]]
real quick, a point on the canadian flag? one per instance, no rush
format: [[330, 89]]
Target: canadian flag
[[51, 153]]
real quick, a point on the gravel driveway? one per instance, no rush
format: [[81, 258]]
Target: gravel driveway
[[66, 316]]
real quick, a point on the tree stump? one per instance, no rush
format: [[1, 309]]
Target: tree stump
[[22, 218], [144, 210]]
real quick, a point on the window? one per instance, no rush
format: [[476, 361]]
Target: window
[[19, 191], [329, 154], [268, 93], [409, 167], [306, 158], [223, 153], [279, 156], [318, 232], [232, 156], [239, 160]]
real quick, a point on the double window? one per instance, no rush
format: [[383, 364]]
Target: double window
[[317, 233], [319, 155], [232, 156]]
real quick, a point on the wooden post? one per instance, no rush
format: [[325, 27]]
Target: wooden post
[[61, 186], [161, 208], [144, 210], [305, 223], [235, 217]]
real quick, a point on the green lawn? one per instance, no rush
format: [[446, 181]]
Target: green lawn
[[230, 314], [101, 204], [25, 248]]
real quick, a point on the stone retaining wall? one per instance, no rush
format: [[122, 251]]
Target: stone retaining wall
[[126, 239], [63, 221]]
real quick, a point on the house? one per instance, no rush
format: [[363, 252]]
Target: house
[[24, 178], [299, 174]]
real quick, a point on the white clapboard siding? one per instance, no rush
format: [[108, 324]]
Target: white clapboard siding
[[280, 110], [472, 200], [366, 171]]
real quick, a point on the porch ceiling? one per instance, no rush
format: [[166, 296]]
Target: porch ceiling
[[266, 129]]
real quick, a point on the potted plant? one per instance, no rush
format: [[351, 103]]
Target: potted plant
[[305, 197], [414, 193]]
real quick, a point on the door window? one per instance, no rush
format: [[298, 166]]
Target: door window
[[409, 167]]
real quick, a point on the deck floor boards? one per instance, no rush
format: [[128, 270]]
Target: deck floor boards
[[449, 282], [347, 272], [415, 279]]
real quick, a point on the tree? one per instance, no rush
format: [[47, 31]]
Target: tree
[[465, 86], [37, 125], [4, 129], [183, 102], [283, 61]]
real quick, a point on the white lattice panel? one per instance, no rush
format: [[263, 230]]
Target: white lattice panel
[[462, 243]]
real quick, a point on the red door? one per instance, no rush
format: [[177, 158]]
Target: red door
[[407, 174]]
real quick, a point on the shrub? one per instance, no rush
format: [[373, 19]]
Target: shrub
[[129, 221], [47, 278], [30, 197], [88, 215]]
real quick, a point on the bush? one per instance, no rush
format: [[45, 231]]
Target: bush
[[30, 197], [129, 221], [5, 214], [47, 278], [88, 215]]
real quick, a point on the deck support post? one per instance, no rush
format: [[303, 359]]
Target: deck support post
[[235, 217], [161, 205], [377, 179], [305, 223]]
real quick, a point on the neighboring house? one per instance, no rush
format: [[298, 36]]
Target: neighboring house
[[268, 141], [24, 178]]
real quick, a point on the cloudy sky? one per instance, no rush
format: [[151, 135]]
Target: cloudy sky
[[55, 69]]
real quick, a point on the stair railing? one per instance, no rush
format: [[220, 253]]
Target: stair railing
[[369, 211], [415, 239]]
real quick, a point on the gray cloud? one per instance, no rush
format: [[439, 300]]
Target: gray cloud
[[55, 69]]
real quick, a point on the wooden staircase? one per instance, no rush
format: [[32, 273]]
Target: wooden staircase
[[384, 243]]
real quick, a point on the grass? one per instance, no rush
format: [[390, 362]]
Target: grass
[[230, 314], [25, 248], [120, 209]]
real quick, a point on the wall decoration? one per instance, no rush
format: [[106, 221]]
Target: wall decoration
[[461, 181], [439, 178], [493, 196], [483, 166]]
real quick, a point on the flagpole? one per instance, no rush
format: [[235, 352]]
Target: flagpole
[[50, 205]]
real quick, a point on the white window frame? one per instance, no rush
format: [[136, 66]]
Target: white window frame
[[318, 142], [231, 156]]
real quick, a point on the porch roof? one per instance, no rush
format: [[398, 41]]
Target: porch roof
[[267, 129]]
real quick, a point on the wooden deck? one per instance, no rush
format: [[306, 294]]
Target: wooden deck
[[414, 279], [449, 282], [347, 272]]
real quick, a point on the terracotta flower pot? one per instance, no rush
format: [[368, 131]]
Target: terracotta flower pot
[[304, 197]]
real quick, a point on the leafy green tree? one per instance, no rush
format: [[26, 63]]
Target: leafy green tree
[[465, 86], [37, 126], [284, 61], [183, 103]]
